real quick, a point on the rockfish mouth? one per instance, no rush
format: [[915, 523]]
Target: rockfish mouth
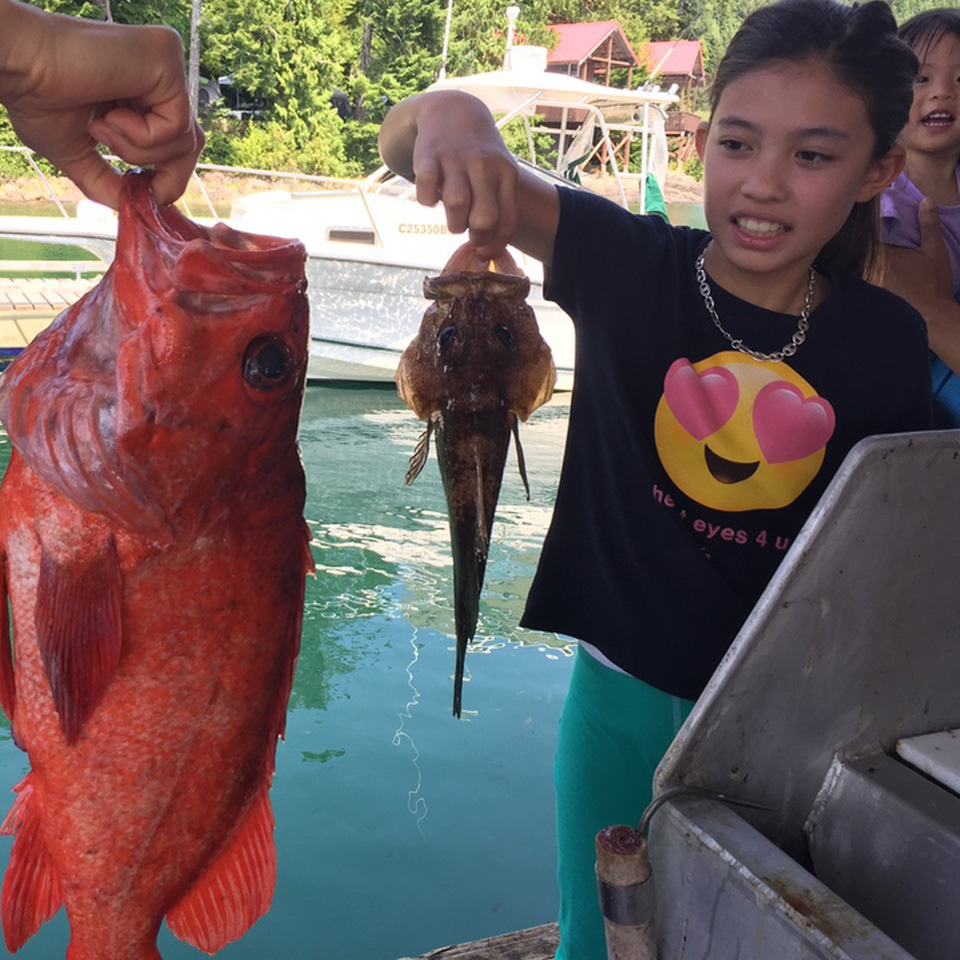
[[477, 367]]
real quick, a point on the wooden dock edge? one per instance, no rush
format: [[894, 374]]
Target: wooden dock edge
[[535, 943]]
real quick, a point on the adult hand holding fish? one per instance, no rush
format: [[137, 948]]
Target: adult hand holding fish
[[477, 366], [153, 552], [70, 83]]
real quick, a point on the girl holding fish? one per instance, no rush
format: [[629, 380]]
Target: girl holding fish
[[69, 84], [721, 377]]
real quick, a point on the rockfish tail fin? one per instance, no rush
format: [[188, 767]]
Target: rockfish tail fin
[[7, 685], [235, 890], [31, 887], [79, 630]]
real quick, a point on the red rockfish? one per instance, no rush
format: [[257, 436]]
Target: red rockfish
[[153, 555]]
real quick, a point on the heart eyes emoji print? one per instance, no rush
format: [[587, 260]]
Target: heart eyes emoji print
[[736, 434]]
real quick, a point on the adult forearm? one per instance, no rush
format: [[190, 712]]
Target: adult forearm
[[398, 137], [21, 35]]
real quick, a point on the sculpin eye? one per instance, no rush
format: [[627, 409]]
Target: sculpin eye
[[446, 335], [268, 364], [505, 336]]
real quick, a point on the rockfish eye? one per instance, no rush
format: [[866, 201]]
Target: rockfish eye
[[268, 364], [505, 336], [446, 335]]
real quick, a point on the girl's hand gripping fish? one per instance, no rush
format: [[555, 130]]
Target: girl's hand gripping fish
[[477, 365], [154, 553]]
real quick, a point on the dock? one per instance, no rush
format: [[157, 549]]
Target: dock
[[536, 943], [27, 305], [45, 294]]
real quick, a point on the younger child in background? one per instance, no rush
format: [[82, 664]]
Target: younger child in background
[[929, 277]]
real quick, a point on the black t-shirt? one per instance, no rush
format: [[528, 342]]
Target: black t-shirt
[[689, 467]]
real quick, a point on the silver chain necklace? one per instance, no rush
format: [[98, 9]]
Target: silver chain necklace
[[789, 349]]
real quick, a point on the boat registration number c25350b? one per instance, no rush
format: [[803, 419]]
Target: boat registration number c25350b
[[422, 228]]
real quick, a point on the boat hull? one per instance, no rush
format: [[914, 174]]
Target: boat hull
[[363, 314], [365, 306]]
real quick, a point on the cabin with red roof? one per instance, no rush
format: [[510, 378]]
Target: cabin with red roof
[[677, 62], [591, 51]]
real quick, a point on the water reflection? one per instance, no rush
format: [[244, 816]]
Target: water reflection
[[400, 829]]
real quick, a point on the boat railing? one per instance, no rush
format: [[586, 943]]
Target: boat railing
[[294, 177], [605, 150], [30, 157]]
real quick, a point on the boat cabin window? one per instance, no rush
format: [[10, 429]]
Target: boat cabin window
[[349, 235]]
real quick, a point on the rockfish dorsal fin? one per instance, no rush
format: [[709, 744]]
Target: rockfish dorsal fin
[[31, 885], [7, 686], [236, 889], [79, 629]]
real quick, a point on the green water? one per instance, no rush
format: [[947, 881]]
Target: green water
[[36, 250], [399, 828], [32, 249]]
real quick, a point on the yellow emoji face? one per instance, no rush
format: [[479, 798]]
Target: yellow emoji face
[[736, 434]]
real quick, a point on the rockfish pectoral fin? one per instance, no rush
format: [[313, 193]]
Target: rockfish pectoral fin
[[236, 889], [31, 886], [78, 619]]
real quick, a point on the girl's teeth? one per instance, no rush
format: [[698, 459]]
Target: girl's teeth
[[763, 228]]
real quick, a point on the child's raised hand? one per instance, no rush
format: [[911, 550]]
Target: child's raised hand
[[447, 141], [461, 160], [921, 276]]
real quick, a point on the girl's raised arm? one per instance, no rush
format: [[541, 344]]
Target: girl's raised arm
[[448, 143]]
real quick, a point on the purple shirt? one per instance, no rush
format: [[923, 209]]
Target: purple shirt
[[901, 228]]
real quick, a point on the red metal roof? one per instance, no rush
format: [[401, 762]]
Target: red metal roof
[[577, 41], [673, 58]]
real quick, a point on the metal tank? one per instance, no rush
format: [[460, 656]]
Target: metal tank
[[851, 654]]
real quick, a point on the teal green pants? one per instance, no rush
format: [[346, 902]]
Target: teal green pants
[[614, 729]]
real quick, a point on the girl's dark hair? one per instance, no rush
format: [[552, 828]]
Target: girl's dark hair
[[860, 44], [925, 29]]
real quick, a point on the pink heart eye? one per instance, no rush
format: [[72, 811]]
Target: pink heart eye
[[701, 402], [788, 425]]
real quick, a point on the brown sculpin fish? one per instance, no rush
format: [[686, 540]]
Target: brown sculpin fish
[[477, 366]]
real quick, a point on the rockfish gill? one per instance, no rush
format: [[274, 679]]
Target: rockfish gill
[[477, 365], [154, 554]]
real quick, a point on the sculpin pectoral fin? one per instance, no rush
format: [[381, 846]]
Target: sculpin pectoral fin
[[521, 460], [472, 451], [420, 453]]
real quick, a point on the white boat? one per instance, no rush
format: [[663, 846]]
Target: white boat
[[370, 244]]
